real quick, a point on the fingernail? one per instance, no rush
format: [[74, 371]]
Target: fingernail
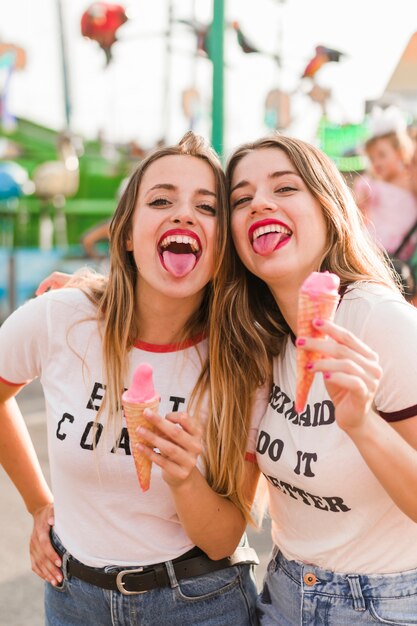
[[327, 375], [140, 430], [300, 342], [148, 412], [309, 366], [318, 322], [58, 563]]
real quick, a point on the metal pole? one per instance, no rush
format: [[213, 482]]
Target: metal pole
[[64, 63], [167, 74], [217, 57], [12, 281]]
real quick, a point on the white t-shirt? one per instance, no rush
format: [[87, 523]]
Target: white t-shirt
[[327, 507], [101, 514]]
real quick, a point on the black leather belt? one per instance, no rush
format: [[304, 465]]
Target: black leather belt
[[141, 579]]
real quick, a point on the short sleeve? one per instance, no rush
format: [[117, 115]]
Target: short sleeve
[[23, 339], [258, 411], [391, 330]]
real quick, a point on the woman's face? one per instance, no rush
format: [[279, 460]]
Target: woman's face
[[387, 162], [277, 225], [174, 227]]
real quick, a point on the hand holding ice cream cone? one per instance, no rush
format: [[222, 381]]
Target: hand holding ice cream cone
[[318, 299], [140, 396]]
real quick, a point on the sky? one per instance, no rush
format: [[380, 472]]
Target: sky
[[131, 100]]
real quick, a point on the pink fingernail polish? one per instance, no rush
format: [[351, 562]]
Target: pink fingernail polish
[[318, 322], [327, 375], [300, 342], [309, 366]]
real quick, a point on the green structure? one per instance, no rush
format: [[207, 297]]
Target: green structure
[[93, 202], [217, 57], [343, 143]]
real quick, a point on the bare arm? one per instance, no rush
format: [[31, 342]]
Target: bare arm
[[17, 454], [390, 451], [352, 376], [211, 521], [19, 459], [101, 232]]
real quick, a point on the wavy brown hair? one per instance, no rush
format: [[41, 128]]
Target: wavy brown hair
[[246, 315]]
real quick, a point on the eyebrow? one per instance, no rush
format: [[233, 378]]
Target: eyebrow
[[277, 174], [170, 187]]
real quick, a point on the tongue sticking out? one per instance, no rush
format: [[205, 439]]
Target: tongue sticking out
[[179, 265], [265, 244]]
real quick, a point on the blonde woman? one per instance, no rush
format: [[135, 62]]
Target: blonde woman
[[342, 475], [170, 555]]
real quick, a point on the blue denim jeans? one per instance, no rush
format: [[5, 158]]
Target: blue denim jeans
[[223, 598], [295, 593]]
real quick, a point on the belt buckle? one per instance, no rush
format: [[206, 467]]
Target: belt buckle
[[120, 584]]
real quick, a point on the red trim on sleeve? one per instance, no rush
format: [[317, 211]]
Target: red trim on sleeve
[[397, 416], [169, 347], [8, 382], [251, 457]]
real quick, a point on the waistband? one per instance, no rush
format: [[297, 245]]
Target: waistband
[[135, 580], [359, 586]]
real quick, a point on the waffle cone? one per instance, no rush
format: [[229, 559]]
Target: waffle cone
[[310, 307], [133, 412]]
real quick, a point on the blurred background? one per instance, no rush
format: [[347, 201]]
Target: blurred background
[[87, 89]]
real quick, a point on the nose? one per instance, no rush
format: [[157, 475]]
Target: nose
[[184, 214], [262, 203]]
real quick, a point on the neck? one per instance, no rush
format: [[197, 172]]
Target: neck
[[161, 319], [286, 297]]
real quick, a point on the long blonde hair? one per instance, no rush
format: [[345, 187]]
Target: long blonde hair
[[115, 300], [245, 313]]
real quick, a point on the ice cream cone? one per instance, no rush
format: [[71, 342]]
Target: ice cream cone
[[133, 412], [310, 306]]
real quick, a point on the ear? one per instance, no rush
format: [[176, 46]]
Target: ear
[[129, 244]]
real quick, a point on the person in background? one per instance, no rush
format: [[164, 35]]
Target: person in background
[[173, 554], [342, 473], [385, 194], [413, 163], [100, 233], [97, 234]]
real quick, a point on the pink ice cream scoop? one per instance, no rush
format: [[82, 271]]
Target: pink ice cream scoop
[[318, 283], [141, 388], [139, 397], [318, 298]]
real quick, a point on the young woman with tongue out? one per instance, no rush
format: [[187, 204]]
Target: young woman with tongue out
[[341, 474], [171, 555]]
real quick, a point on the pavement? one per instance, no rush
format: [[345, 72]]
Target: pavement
[[21, 591]]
